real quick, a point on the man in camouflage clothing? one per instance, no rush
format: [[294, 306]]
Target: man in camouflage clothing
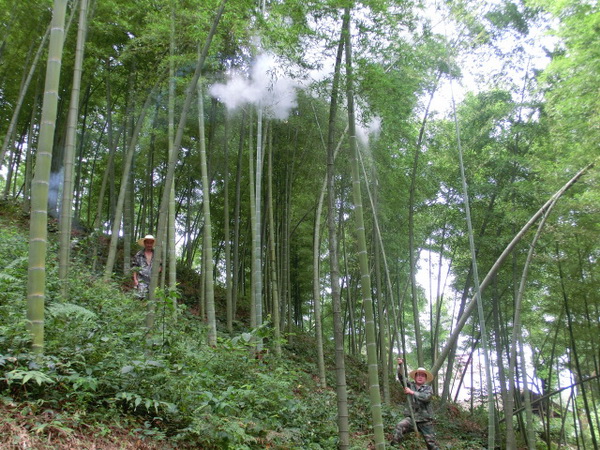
[[418, 394], [141, 265]]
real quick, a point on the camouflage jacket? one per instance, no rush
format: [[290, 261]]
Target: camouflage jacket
[[140, 265], [420, 401]]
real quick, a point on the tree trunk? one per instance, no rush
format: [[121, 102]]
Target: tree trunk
[[254, 258], [29, 157], [413, 259], [128, 222], [499, 336], [317, 247], [66, 216], [208, 241], [13, 165], [256, 235], [77, 190], [226, 230], [272, 252], [285, 260], [316, 285], [374, 394], [38, 232], [172, 259], [235, 270], [338, 336]]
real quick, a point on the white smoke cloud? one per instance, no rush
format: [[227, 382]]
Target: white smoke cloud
[[370, 129], [267, 86]]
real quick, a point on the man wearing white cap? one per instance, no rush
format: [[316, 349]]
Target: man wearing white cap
[[142, 265], [418, 397]]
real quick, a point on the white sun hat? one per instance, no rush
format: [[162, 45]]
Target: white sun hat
[[148, 237]]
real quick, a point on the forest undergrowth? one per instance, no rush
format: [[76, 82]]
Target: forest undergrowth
[[105, 383]]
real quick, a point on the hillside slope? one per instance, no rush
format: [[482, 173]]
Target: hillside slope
[[104, 383]]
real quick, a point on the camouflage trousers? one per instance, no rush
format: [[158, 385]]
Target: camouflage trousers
[[142, 290], [426, 429]]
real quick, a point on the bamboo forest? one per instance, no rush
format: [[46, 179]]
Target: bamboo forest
[[299, 224]]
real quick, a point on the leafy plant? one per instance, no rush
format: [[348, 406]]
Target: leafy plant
[[134, 401], [70, 312], [25, 377]]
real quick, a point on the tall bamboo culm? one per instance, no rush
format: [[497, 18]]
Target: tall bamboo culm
[[374, 394], [38, 231]]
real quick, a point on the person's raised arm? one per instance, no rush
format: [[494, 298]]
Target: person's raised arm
[[401, 372]]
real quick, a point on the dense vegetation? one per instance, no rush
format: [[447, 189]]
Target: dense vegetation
[[100, 384], [331, 185]]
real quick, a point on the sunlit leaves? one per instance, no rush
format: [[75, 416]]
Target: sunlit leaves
[[571, 83]]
